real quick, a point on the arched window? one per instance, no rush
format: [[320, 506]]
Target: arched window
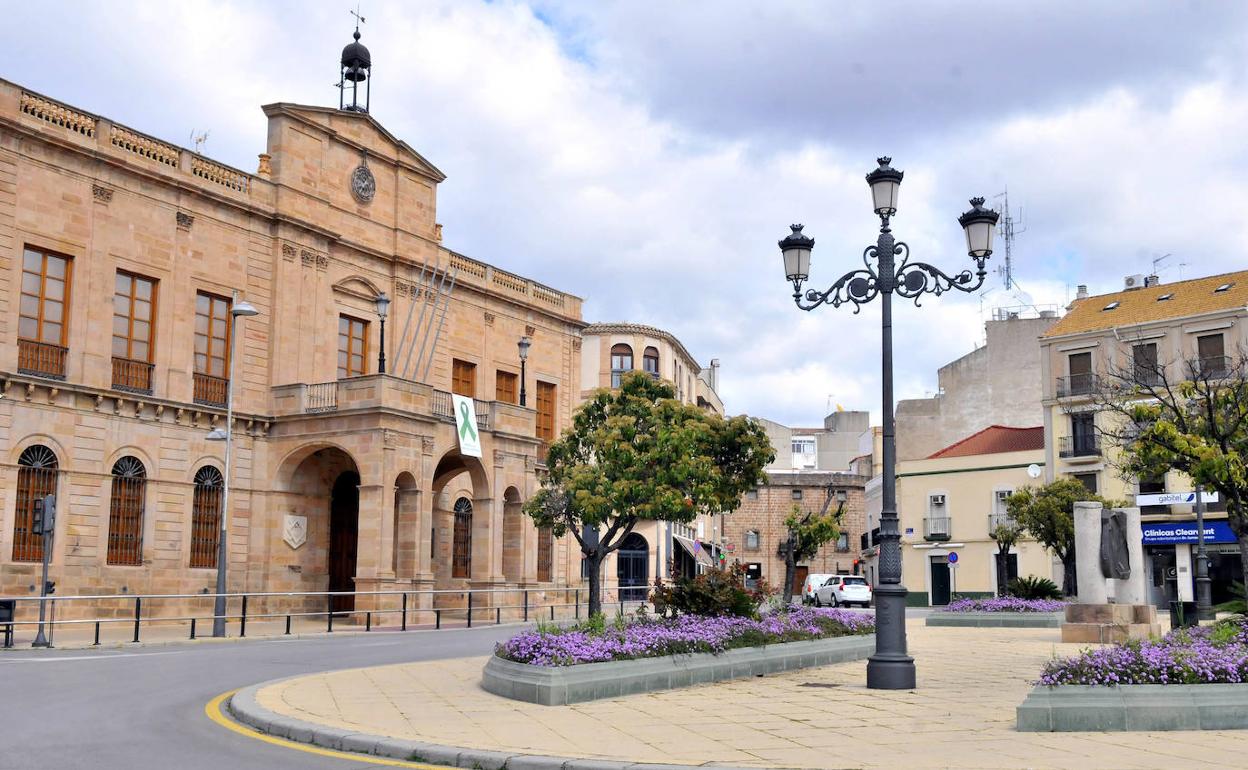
[[461, 550], [621, 362], [650, 360], [125, 514], [36, 478], [545, 554], [206, 517]]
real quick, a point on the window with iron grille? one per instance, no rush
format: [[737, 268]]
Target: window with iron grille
[[461, 552], [545, 554], [42, 324], [206, 517], [352, 347], [212, 349], [125, 517], [134, 304], [36, 478]]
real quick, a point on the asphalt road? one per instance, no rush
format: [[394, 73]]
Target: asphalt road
[[143, 709]]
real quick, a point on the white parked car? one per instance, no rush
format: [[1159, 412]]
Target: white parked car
[[844, 589], [811, 585]]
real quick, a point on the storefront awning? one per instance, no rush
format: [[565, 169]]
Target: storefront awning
[[698, 553]]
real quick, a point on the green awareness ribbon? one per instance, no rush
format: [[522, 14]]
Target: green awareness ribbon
[[466, 428]]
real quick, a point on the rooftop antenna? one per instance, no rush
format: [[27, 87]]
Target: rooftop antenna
[[198, 141], [1009, 227], [1158, 260]]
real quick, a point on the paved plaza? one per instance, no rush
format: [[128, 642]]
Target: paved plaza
[[962, 715]]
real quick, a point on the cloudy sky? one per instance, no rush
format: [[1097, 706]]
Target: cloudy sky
[[648, 155]]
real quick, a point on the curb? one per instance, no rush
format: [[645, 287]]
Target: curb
[[244, 707], [995, 619]]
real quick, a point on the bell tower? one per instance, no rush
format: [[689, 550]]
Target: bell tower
[[357, 68]]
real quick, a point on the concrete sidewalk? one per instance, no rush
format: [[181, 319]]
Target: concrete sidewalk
[[962, 715]]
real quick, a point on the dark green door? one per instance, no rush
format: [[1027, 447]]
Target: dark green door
[[940, 581]]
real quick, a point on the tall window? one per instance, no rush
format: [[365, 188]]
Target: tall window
[[1083, 434], [125, 516], [212, 348], [463, 378], [650, 360], [752, 540], [461, 551], [1080, 380], [505, 387], [546, 411], [1210, 349], [206, 517], [352, 347], [36, 478], [545, 554], [621, 362], [134, 304], [1144, 363], [42, 318]]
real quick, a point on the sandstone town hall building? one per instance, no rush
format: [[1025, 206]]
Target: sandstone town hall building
[[121, 260]]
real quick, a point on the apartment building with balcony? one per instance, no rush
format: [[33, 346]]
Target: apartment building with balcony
[[950, 502], [1149, 328], [121, 256]]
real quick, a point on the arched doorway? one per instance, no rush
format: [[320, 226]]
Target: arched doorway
[[344, 519], [632, 563]]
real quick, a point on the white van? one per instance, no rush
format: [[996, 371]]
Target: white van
[[813, 583]]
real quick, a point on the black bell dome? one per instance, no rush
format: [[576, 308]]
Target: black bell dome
[[355, 54]]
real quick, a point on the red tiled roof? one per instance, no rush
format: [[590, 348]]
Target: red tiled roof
[[993, 440]]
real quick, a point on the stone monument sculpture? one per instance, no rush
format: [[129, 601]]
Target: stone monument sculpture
[[1109, 570]]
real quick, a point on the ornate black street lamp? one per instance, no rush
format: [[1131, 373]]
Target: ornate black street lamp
[[523, 346], [888, 270], [383, 307]]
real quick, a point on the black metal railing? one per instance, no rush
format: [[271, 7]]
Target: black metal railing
[[936, 527], [131, 375], [210, 390], [320, 397], [1077, 384], [442, 406], [284, 613], [1084, 445], [1000, 520], [41, 358]]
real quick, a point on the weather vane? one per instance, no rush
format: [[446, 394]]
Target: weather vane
[[358, 18]]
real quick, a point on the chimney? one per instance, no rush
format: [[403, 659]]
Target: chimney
[[1082, 292], [1151, 281], [715, 374]]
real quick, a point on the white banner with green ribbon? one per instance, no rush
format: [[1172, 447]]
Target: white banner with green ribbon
[[466, 425]]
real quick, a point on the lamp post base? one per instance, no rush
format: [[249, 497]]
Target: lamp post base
[[890, 668]]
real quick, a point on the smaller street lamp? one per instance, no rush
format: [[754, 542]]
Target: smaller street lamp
[[523, 345], [383, 307], [243, 309]]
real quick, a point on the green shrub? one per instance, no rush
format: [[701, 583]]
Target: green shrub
[[715, 592], [1032, 587]]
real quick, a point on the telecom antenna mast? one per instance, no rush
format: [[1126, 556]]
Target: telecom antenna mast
[[1009, 227]]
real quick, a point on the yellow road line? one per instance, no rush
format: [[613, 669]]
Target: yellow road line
[[215, 711]]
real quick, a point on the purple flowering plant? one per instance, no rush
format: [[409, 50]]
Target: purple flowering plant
[[1005, 604], [656, 637], [1202, 655]]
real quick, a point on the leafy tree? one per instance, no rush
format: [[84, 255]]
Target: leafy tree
[[1005, 534], [1047, 513], [637, 454], [1190, 417], [808, 531]]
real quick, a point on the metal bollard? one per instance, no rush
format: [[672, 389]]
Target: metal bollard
[[192, 629], [368, 620], [138, 612], [578, 604], [329, 613], [437, 619], [96, 643], [403, 627], [498, 615], [552, 612], [288, 625], [470, 609], [526, 606], [242, 623]]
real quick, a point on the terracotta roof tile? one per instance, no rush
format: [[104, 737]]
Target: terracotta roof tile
[[1142, 305], [993, 440]]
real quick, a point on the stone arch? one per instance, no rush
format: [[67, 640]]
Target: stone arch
[[458, 476], [57, 448], [289, 466], [632, 567], [513, 536], [321, 482], [130, 450]]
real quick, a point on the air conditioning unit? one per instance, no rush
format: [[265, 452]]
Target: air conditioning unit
[[938, 499], [1134, 281]]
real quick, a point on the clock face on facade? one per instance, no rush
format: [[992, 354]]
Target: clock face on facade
[[363, 185]]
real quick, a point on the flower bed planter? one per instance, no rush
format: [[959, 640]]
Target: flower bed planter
[[560, 685], [1141, 707], [997, 619]]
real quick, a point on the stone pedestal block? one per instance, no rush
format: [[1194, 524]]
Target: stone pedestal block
[[1092, 586], [1109, 623]]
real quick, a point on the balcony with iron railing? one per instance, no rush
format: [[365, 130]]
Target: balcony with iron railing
[[1082, 445], [996, 520], [1077, 385], [132, 376], [936, 527], [210, 390], [42, 359]]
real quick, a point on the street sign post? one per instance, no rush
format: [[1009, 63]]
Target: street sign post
[[1175, 498]]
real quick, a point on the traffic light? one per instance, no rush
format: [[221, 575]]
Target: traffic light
[[49, 587]]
